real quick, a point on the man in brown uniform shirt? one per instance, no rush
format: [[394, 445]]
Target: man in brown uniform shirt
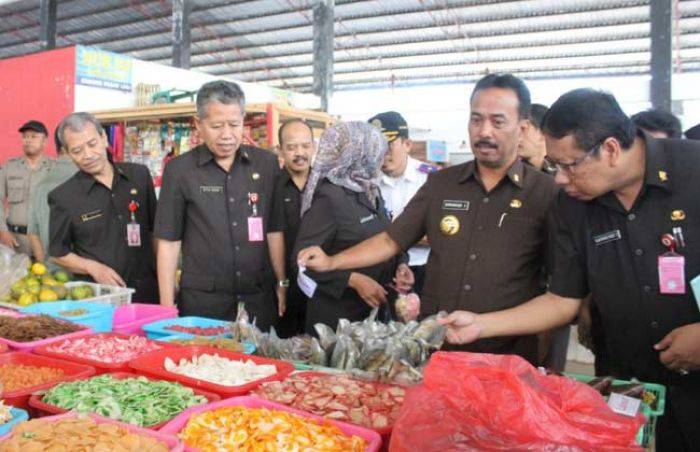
[[486, 221]]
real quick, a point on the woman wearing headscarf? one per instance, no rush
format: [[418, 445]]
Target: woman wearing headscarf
[[341, 206]]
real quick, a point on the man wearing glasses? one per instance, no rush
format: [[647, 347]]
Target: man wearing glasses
[[486, 221], [628, 234]]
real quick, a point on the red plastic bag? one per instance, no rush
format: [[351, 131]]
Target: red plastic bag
[[471, 401]]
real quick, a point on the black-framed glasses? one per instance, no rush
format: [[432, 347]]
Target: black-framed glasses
[[569, 168]]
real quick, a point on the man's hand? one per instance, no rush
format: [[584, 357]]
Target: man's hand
[[680, 349], [369, 290], [281, 300], [7, 239], [103, 274], [404, 279], [462, 327], [314, 258]]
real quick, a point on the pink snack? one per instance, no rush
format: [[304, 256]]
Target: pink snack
[[106, 349]]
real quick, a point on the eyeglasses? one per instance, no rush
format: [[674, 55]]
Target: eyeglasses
[[569, 168]]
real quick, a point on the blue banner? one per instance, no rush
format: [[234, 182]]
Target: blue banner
[[95, 67]]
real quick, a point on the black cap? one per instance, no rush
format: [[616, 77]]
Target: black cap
[[693, 133], [35, 126], [391, 124]]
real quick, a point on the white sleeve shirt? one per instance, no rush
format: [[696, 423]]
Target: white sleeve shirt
[[397, 192]]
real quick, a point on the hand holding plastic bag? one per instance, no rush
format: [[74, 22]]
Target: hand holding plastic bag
[[472, 401]]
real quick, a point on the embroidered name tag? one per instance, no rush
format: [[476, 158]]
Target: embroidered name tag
[[455, 204], [607, 237], [367, 218], [211, 189], [91, 215]]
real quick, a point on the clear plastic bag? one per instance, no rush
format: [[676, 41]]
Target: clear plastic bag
[[13, 267]]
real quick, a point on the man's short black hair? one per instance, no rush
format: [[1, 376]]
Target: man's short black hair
[[658, 120], [507, 81], [289, 122], [537, 112], [590, 116], [57, 141]]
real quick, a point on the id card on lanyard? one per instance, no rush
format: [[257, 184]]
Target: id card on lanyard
[[671, 266], [255, 222], [133, 229]]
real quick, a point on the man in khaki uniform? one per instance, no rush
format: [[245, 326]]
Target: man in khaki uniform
[[18, 178]]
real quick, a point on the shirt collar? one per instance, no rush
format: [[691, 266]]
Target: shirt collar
[[410, 173], [205, 155], [514, 173], [656, 172], [88, 181]]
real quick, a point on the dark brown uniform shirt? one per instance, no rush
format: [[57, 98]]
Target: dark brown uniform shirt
[[487, 249]]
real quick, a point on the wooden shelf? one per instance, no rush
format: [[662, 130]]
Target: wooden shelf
[[276, 114]]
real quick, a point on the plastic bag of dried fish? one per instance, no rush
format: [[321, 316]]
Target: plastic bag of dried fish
[[326, 336], [299, 348], [345, 354], [430, 331]]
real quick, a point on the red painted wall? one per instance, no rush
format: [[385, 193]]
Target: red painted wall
[[38, 86]]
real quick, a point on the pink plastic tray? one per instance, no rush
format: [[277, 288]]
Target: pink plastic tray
[[29, 346], [129, 319], [178, 423], [172, 442], [11, 313]]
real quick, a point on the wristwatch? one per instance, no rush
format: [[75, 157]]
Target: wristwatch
[[283, 283]]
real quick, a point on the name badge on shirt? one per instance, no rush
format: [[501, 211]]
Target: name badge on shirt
[[455, 204], [367, 219], [211, 189], [255, 229], [133, 234], [607, 237], [95, 214], [672, 274]]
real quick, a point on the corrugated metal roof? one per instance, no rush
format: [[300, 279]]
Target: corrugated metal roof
[[378, 42]]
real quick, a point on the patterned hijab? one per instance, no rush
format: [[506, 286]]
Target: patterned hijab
[[349, 154]]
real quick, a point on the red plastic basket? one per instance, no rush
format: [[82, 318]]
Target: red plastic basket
[[71, 371], [151, 364], [100, 367], [46, 409]]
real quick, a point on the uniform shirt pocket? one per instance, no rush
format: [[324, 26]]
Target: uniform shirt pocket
[[15, 190]]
